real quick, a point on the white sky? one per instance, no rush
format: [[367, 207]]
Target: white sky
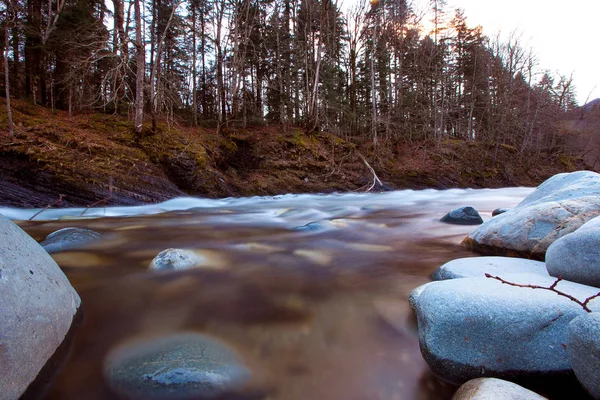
[[564, 34]]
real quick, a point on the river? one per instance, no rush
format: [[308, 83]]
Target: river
[[311, 290]]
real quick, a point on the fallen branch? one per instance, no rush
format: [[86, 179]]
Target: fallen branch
[[551, 288], [103, 201], [376, 182], [58, 202]]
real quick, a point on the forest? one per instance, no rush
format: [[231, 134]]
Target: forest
[[387, 70]]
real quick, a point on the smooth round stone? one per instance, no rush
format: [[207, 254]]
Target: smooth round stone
[[176, 259], [463, 216], [583, 345], [479, 266], [576, 256], [38, 308], [179, 366], [414, 295], [494, 389], [68, 239]]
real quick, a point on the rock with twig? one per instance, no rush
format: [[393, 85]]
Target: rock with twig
[[481, 327], [583, 345], [479, 266], [69, 238], [556, 208], [576, 256], [463, 216], [37, 313]]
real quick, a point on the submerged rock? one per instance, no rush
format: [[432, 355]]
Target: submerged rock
[[583, 343], [479, 266], [463, 216], [557, 207], [38, 306], [69, 239], [494, 389], [176, 259], [477, 327], [576, 256], [179, 366]]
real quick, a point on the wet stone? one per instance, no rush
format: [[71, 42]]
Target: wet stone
[[68, 239], [180, 366], [176, 259], [463, 216], [499, 211]]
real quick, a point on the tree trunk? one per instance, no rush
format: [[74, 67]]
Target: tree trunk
[[11, 127], [140, 70]]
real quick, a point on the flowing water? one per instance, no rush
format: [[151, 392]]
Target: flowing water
[[311, 290]]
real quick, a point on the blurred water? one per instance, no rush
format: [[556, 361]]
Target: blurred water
[[310, 289]]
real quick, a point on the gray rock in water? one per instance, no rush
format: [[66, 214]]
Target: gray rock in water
[[583, 344], [494, 389], [176, 259], [68, 239], [37, 309], [499, 211], [463, 216], [180, 366], [414, 295], [576, 256], [558, 207], [478, 327], [479, 266]]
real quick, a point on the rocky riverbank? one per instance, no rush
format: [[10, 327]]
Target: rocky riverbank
[[97, 159], [528, 321]]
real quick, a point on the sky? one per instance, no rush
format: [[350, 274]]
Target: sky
[[564, 34]]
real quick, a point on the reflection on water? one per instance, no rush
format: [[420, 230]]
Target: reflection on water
[[317, 313]]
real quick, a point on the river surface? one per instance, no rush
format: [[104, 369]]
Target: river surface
[[311, 290]]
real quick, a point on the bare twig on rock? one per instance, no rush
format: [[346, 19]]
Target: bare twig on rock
[[58, 202], [551, 288]]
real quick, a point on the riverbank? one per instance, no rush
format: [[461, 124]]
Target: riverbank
[[97, 159]]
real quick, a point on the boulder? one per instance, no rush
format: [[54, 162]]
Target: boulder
[[38, 308], [478, 327], [176, 259], [576, 256], [414, 295], [494, 389], [557, 207], [182, 366], [463, 216], [583, 344], [479, 266], [69, 239]]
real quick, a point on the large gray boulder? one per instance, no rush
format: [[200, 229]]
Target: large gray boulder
[[576, 256], [37, 309], [583, 344], [178, 366], [479, 266], [478, 327], [494, 389], [556, 208]]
